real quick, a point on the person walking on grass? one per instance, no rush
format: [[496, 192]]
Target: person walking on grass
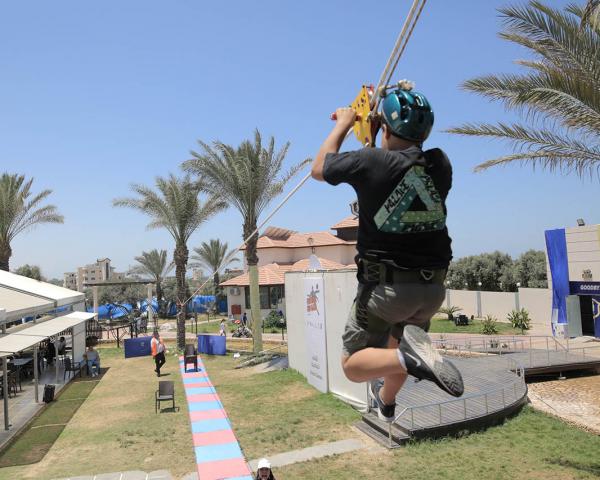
[[158, 351], [222, 328], [403, 247]]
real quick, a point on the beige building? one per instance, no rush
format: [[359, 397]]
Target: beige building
[[100, 271], [279, 251]]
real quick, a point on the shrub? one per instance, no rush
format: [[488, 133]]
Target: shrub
[[520, 319], [450, 311], [273, 320], [488, 325]]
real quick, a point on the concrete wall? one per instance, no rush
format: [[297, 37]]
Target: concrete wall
[[339, 289], [537, 301], [583, 251]]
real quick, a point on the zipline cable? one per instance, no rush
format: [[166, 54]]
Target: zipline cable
[[386, 75]]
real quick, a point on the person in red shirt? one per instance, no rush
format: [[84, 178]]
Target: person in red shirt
[[158, 352]]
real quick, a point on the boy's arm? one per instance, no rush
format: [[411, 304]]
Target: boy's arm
[[333, 142]]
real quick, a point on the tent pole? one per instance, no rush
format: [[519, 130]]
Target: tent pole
[[149, 305], [56, 358], [36, 373], [5, 383]]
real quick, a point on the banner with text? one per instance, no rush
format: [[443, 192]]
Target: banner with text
[[316, 343]]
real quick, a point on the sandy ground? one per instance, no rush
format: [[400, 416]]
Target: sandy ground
[[575, 400]]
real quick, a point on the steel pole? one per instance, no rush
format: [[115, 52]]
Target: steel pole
[[36, 373], [5, 383]]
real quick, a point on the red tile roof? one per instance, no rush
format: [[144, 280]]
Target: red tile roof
[[273, 273], [299, 240], [348, 222]]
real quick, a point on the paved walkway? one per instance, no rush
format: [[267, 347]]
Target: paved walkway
[[575, 400], [218, 454]]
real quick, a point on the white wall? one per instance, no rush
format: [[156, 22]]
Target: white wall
[[537, 301], [78, 342], [343, 254], [583, 251], [234, 300], [339, 290]]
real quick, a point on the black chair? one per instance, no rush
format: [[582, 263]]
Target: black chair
[[165, 393], [74, 367], [190, 356]]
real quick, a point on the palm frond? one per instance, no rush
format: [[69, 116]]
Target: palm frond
[[559, 95], [20, 210], [537, 147]]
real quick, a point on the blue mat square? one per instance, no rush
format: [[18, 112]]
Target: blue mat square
[[213, 453], [202, 406], [212, 425]]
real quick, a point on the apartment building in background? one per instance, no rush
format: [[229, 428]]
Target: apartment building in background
[[101, 271]]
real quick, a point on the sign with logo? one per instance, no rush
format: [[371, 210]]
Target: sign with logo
[[316, 344], [584, 288]]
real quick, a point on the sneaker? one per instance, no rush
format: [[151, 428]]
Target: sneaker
[[425, 363], [384, 412]]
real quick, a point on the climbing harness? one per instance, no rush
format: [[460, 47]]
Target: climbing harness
[[367, 102]]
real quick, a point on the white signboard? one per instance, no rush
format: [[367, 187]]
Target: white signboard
[[316, 345]]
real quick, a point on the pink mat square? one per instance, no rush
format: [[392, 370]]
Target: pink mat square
[[213, 438], [203, 397], [207, 415], [235, 467]]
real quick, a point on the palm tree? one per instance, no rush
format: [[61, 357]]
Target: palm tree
[[591, 13], [559, 92], [156, 265], [20, 210], [176, 208], [211, 255], [248, 178]]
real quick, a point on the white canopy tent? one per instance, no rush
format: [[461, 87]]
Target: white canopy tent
[[19, 305], [21, 297], [30, 338]]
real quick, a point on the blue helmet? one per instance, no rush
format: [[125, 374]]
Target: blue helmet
[[407, 114]]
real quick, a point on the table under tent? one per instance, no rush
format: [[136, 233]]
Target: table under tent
[[25, 344]]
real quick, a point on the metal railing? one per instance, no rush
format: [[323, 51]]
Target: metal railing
[[538, 349]]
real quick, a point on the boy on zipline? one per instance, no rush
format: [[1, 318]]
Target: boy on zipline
[[403, 247]]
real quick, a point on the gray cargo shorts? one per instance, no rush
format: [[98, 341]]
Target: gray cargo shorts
[[390, 308]]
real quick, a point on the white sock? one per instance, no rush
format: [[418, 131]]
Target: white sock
[[401, 359]]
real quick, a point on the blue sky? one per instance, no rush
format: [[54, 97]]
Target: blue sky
[[95, 96]]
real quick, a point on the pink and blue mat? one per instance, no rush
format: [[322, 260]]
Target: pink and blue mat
[[218, 453]]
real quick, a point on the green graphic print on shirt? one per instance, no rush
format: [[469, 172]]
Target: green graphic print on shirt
[[414, 206]]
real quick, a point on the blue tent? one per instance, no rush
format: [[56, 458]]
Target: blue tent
[[153, 305], [200, 303], [112, 311]]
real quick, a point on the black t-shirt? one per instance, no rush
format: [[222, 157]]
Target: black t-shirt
[[402, 202]]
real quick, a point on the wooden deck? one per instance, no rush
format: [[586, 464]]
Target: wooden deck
[[495, 388], [492, 391]]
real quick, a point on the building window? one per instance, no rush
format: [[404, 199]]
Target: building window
[[270, 296], [275, 295]]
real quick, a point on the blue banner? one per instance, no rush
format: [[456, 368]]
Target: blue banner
[[556, 247]]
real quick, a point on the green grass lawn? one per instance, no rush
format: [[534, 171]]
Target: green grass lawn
[[115, 427], [34, 443], [278, 411], [443, 325]]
